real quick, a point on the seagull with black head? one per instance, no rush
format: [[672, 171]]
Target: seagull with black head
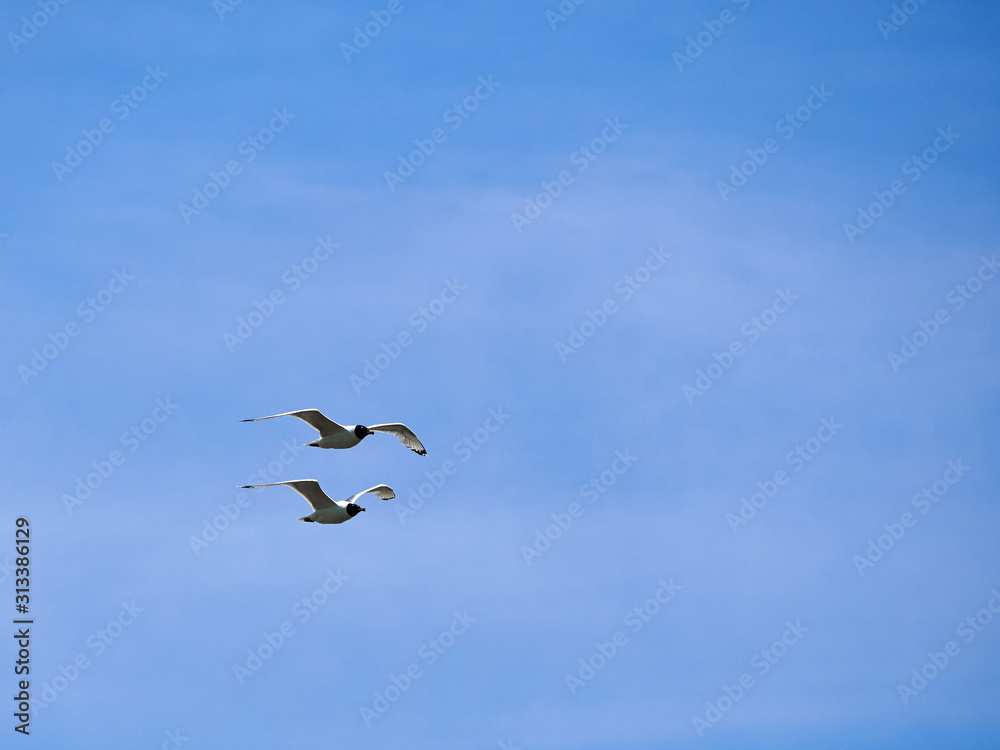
[[333, 435], [325, 510]]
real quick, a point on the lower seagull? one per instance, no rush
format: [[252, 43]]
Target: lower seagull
[[326, 510]]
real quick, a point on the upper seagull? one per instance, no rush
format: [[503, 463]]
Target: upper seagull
[[333, 435], [326, 510]]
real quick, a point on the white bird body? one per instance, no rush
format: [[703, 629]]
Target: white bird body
[[333, 435], [326, 510], [345, 437], [337, 514]]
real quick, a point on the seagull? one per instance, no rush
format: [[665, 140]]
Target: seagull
[[326, 510], [333, 435]]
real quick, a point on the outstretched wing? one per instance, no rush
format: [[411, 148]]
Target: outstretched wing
[[312, 417], [382, 491], [405, 435], [308, 488]]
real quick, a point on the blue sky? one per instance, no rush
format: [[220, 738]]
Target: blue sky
[[620, 268]]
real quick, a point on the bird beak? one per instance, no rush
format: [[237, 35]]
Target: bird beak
[[362, 509]]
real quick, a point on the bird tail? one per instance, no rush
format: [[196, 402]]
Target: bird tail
[[307, 519]]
